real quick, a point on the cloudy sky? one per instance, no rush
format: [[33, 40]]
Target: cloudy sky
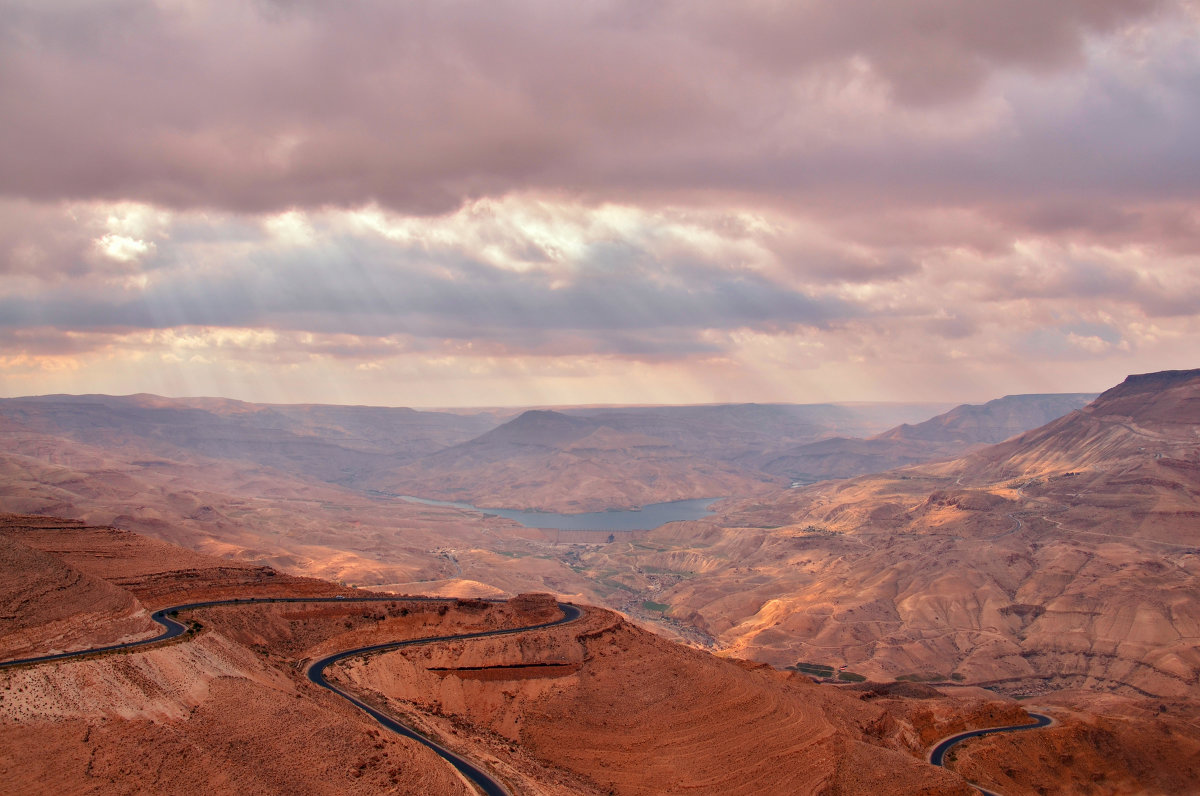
[[512, 202]]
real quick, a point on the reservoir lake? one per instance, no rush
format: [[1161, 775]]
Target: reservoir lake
[[643, 519]]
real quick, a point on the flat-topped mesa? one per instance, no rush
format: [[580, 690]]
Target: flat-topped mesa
[[1169, 396], [1151, 382], [1165, 405]]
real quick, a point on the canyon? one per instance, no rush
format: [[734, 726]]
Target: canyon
[[1035, 550]]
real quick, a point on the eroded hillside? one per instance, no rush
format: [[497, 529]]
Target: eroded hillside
[[598, 706], [1067, 556]]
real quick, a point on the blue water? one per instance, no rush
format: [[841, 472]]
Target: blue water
[[643, 519]]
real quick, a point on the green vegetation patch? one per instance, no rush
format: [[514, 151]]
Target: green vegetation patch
[[851, 677], [662, 608], [814, 669]]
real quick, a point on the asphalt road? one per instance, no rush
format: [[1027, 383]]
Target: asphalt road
[[489, 785], [316, 670], [938, 755], [173, 629]]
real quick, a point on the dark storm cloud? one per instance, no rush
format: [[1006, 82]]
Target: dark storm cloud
[[421, 105]]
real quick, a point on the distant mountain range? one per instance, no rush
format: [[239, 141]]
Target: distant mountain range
[[336, 444], [587, 460], [583, 459], [948, 435]]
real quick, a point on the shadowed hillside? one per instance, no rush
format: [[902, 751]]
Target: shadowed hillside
[[948, 435], [338, 444]]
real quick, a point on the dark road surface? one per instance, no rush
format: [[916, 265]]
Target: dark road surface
[[938, 755], [173, 629], [316, 671], [490, 786]]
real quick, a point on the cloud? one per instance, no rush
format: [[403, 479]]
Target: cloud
[[927, 50], [420, 107], [522, 278], [748, 196], [650, 292]]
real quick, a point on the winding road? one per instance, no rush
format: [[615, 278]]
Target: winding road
[[315, 672], [937, 755], [172, 629]]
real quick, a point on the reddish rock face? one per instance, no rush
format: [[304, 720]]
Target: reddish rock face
[[534, 603]]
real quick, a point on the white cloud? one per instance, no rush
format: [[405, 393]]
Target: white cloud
[[124, 249]]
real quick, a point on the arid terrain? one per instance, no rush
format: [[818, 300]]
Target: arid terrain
[[632, 398], [572, 460], [289, 486], [1059, 566], [598, 706], [1067, 555], [297, 487]]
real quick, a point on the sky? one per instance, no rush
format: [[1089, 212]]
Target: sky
[[532, 202]]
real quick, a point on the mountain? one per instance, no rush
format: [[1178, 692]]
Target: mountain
[[549, 460], [604, 458], [735, 432], [678, 451], [581, 459], [994, 421], [1062, 555], [1066, 556], [244, 510], [336, 444], [1148, 420], [945, 436]]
